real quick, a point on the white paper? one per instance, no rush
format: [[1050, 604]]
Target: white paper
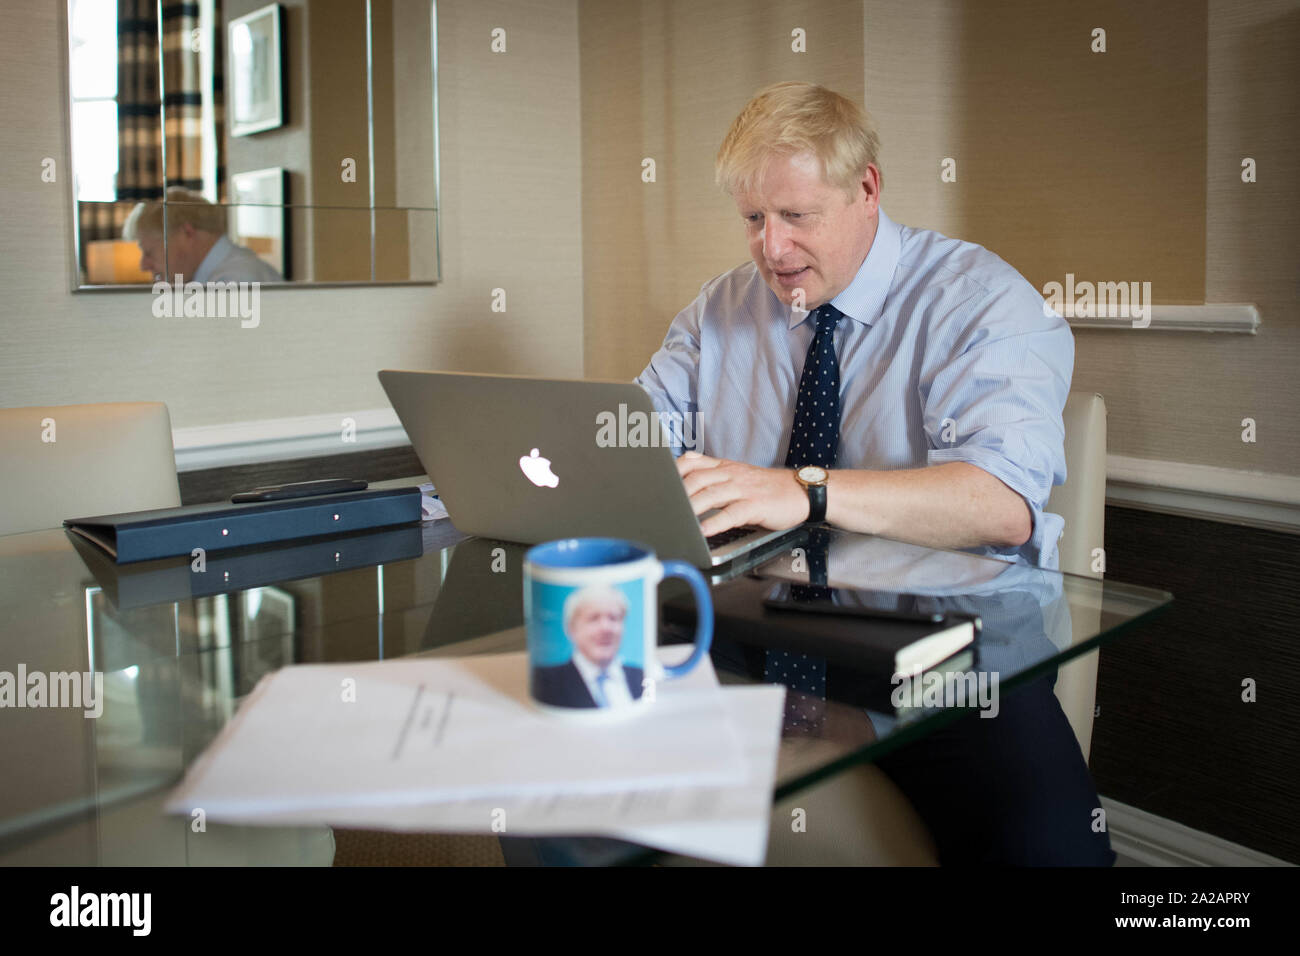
[[735, 828], [724, 823], [454, 744]]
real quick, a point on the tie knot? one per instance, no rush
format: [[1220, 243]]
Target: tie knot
[[828, 316]]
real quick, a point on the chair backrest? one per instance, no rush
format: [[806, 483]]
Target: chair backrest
[[1081, 501], [75, 461]]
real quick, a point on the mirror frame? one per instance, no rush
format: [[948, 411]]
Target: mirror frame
[[75, 263]]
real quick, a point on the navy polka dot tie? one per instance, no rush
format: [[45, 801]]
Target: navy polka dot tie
[[814, 440], [815, 435]]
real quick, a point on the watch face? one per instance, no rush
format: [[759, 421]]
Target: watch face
[[812, 474]]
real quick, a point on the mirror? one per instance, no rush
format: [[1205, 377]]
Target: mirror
[[291, 142]]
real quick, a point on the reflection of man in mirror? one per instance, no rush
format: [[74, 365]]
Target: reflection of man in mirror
[[198, 249], [595, 675]]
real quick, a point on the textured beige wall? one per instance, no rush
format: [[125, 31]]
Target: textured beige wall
[[1123, 165], [911, 90], [1182, 396], [664, 81], [511, 193], [289, 145], [338, 129], [412, 145]]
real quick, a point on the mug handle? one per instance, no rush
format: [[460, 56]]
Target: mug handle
[[703, 614]]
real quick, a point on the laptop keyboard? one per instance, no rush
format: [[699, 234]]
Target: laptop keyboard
[[734, 534]]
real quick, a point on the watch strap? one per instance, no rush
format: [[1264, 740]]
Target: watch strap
[[816, 502]]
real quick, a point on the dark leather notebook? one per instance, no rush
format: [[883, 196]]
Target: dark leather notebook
[[864, 643], [861, 653], [168, 532]]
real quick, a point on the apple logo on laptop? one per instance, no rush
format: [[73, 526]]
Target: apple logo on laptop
[[538, 470]]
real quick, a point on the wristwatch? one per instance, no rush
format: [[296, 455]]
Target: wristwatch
[[813, 478]]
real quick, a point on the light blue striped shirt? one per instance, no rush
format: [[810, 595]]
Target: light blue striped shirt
[[947, 355]]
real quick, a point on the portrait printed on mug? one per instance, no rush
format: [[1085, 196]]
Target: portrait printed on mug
[[589, 644]]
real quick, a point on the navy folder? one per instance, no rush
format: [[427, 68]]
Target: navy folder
[[168, 580], [167, 532]]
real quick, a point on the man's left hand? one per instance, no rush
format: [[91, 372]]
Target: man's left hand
[[743, 494]]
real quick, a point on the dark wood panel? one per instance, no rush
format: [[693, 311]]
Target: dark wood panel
[[1173, 735], [218, 484]]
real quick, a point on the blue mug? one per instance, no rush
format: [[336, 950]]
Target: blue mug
[[592, 615]]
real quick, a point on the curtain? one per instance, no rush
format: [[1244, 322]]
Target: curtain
[[219, 99], [139, 140], [140, 173], [183, 99]]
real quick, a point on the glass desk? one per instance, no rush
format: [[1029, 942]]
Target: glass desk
[[179, 649]]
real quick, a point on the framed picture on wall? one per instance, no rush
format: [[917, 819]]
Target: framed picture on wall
[[259, 216], [256, 73]]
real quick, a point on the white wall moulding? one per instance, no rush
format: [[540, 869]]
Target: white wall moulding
[[1242, 319], [1150, 840], [1258, 499], [280, 439]]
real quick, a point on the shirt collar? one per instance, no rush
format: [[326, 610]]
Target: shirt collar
[[864, 298], [220, 249]]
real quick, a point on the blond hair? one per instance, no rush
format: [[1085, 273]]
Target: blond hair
[[182, 206], [790, 118]]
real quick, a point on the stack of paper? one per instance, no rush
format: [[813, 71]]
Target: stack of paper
[[455, 745]]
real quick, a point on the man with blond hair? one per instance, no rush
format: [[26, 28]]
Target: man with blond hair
[[892, 381], [945, 428], [197, 248]]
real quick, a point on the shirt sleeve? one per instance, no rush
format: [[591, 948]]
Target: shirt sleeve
[[997, 401], [672, 377]]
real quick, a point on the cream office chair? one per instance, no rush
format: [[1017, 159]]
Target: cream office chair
[[74, 461], [106, 459], [1082, 502], [860, 817]]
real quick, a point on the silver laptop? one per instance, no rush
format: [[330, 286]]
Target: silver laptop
[[533, 459]]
